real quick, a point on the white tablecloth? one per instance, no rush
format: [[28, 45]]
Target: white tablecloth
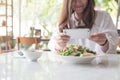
[[48, 67]]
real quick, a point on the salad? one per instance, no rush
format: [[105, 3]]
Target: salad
[[76, 50]]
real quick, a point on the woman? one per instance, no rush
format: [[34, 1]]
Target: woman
[[103, 34]]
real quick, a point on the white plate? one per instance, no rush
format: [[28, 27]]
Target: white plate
[[77, 59], [77, 33]]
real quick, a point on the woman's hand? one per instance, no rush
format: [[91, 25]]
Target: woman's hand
[[62, 40], [99, 38]]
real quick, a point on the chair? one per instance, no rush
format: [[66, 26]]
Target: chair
[[119, 42], [118, 46], [6, 41], [28, 41]]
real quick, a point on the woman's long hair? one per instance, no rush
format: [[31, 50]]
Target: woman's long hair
[[88, 14]]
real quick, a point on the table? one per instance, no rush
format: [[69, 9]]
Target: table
[[44, 42], [45, 39], [48, 67]]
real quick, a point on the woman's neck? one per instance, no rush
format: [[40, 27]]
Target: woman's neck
[[78, 17]]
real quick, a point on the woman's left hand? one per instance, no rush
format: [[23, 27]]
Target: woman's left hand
[[99, 38]]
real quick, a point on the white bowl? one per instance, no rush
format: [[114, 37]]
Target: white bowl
[[77, 59], [32, 55]]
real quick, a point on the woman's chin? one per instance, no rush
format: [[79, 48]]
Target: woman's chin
[[79, 12]]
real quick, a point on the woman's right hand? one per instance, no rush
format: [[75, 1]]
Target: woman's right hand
[[62, 40]]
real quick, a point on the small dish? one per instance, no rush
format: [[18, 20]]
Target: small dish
[[32, 55]]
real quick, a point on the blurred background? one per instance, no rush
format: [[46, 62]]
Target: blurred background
[[39, 17]]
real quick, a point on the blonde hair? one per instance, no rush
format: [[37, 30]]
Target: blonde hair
[[66, 11]]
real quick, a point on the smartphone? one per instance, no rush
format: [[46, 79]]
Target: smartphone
[[77, 33]]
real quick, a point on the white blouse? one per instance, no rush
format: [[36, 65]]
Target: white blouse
[[103, 23]]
